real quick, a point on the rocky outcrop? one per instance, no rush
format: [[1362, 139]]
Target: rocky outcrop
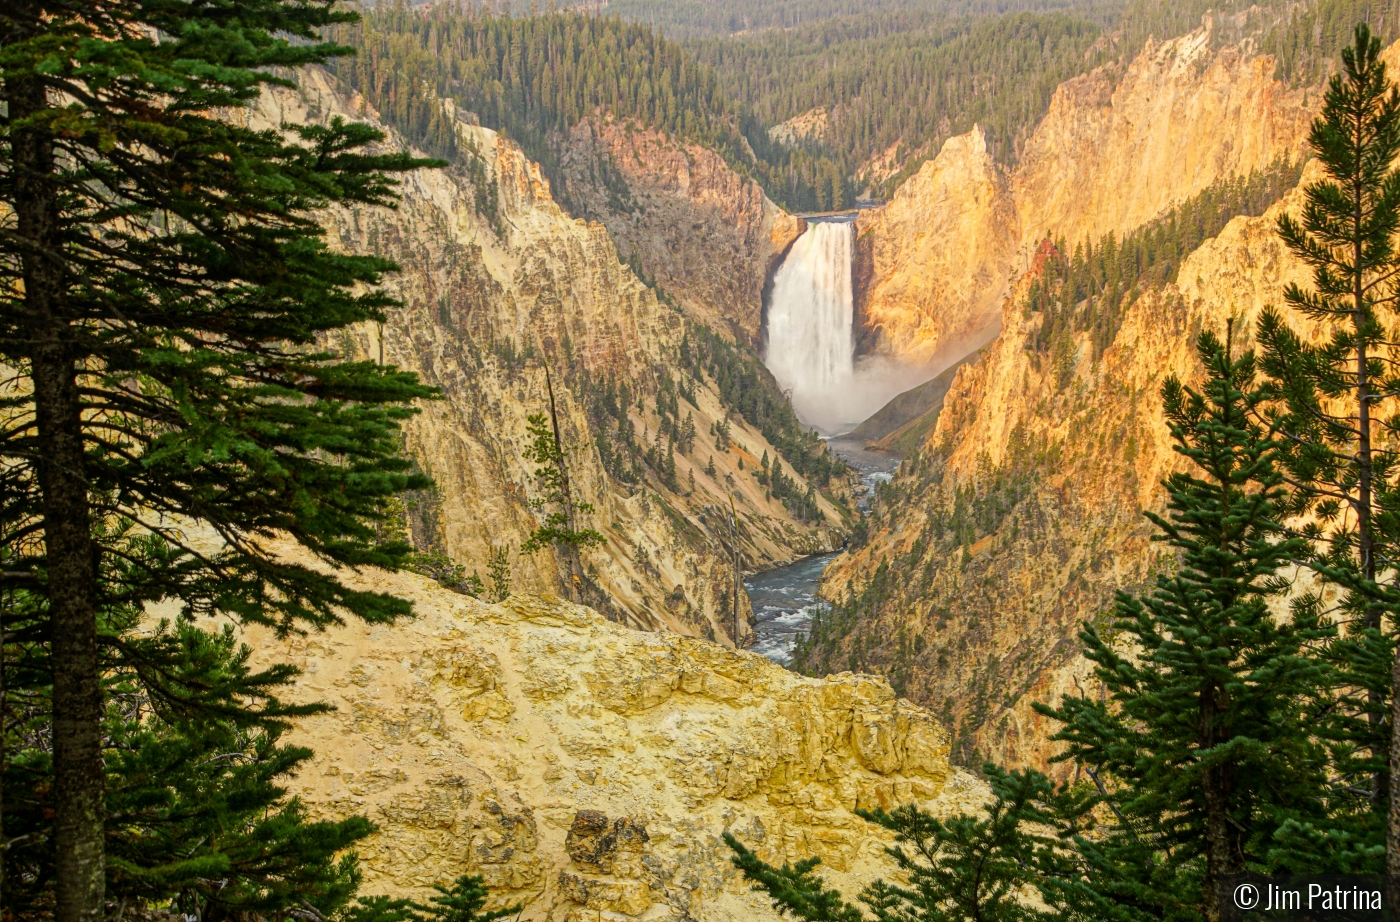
[[496, 281], [931, 265], [588, 771], [1116, 148], [679, 213], [811, 125]]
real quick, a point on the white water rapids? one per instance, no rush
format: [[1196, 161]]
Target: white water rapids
[[811, 339]]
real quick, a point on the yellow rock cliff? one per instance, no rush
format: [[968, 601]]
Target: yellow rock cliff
[[588, 770], [1116, 148]]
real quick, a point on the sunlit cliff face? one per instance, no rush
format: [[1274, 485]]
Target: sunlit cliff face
[[1116, 148]]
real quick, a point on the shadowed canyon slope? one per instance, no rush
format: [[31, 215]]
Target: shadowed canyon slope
[[496, 280], [588, 770], [1117, 147]]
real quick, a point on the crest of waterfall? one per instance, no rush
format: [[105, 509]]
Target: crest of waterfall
[[810, 317]]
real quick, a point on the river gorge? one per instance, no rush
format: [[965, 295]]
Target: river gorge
[[690, 336]]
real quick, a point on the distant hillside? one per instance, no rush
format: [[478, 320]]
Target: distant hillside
[[897, 81], [694, 19], [894, 78], [534, 78]]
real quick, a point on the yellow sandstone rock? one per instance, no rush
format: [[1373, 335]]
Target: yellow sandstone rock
[[1116, 148], [588, 770]]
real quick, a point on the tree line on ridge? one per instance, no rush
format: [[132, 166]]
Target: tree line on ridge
[[537, 77]]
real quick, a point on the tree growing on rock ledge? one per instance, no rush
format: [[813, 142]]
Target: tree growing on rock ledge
[[559, 528]]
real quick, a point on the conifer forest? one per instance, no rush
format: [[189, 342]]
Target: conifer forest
[[675, 461]]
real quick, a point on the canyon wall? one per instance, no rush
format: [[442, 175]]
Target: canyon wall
[[497, 280], [1119, 146], [1022, 515], [1116, 148], [679, 213], [588, 771], [931, 262]]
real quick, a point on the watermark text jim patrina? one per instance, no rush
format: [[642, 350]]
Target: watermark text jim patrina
[[1313, 897]]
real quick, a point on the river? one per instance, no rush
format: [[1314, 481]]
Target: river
[[785, 599]]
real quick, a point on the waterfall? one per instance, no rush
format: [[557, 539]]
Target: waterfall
[[810, 316]]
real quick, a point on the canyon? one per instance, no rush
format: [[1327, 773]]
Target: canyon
[[1020, 515], [718, 520], [496, 281], [586, 759]]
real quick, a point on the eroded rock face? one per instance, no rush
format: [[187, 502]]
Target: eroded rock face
[[497, 279], [1116, 148], [1119, 146], [708, 237], [588, 770], [931, 265]]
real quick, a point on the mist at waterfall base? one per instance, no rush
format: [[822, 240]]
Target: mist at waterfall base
[[811, 345]]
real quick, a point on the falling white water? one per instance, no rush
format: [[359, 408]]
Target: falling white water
[[811, 340], [810, 318]]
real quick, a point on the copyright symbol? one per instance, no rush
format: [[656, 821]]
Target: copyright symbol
[[1246, 896]]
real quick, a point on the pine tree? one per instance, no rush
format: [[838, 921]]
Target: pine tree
[[560, 528], [1204, 743], [464, 901], [687, 434], [166, 295], [196, 816], [971, 866], [498, 572], [722, 434], [1335, 398]]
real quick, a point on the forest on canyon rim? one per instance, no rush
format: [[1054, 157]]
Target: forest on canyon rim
[[477, 295]]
